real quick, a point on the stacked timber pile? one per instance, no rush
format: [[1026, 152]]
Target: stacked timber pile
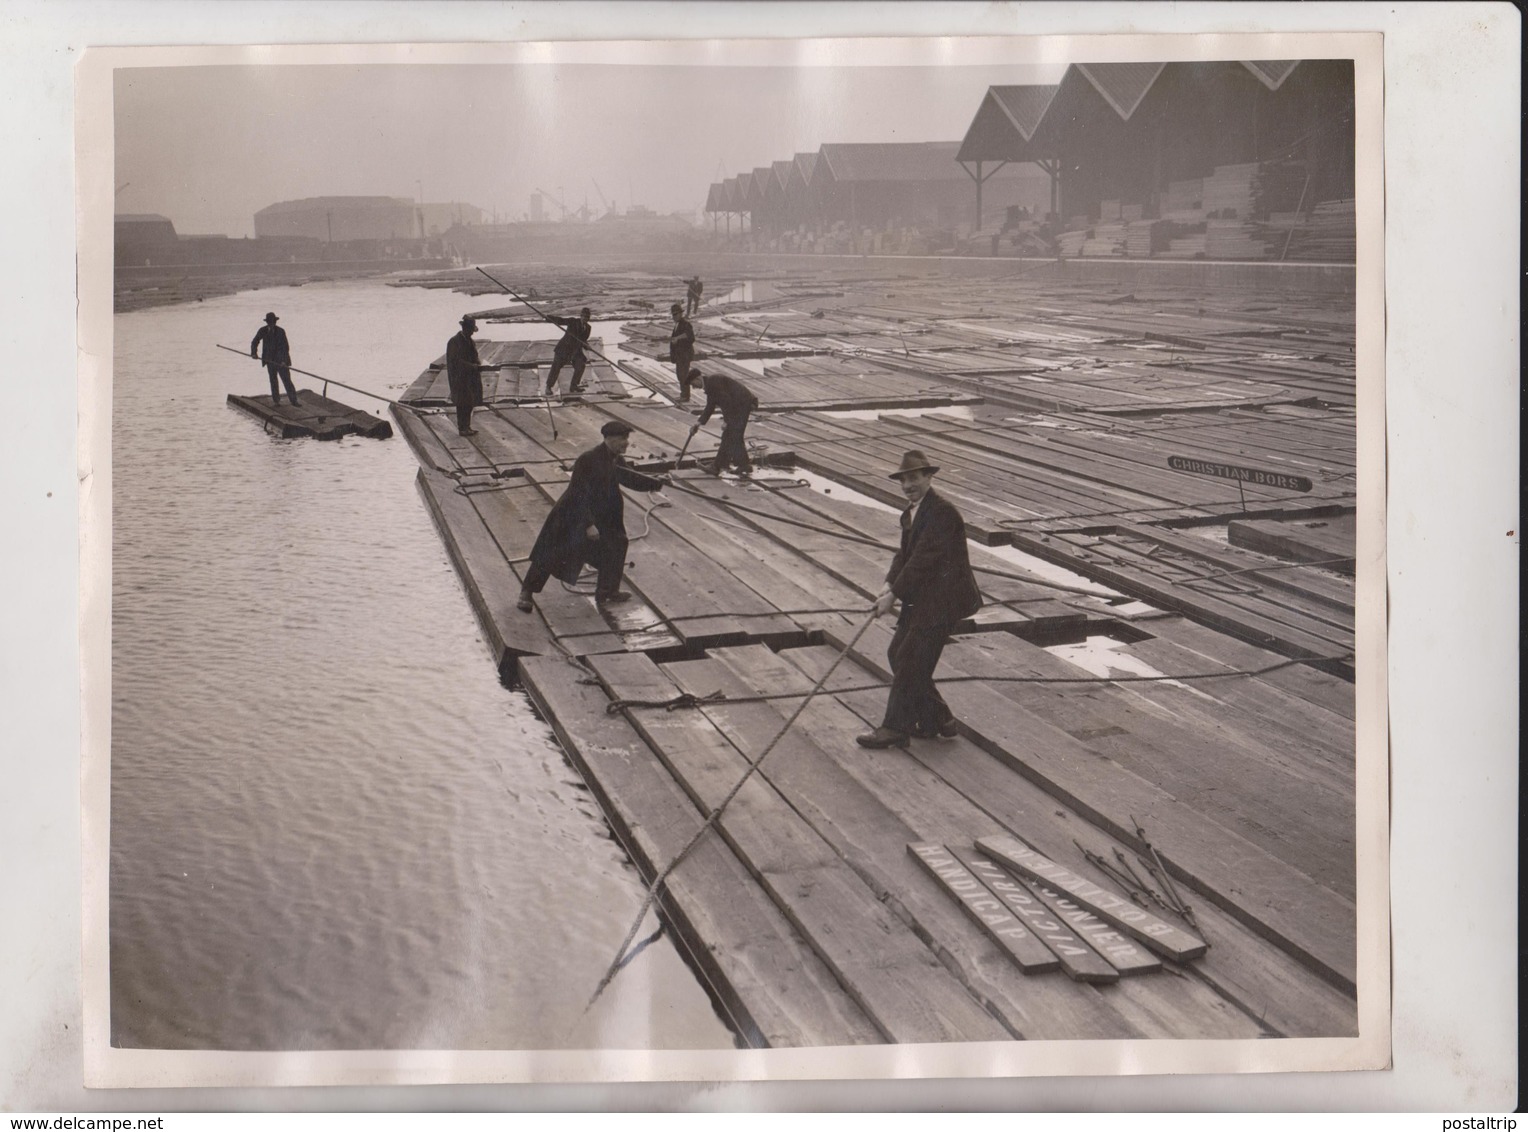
[[1144, 238], [1108, 239], [1187, 241], [1329, 236], [1070, 244], [1184, 200]]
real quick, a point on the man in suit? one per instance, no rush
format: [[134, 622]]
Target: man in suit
[[277, 356], [570, 349], [682, 350], [736, 401], [931, 575], [588, 524], [464, 373]]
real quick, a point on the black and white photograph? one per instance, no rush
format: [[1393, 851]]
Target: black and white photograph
[[733, 560]]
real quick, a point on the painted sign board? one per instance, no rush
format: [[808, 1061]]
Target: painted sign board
[[1154, 932], [1258, 477], [1128, 957], [1006, 930], [1078, 960]]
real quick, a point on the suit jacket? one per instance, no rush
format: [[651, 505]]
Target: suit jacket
[[462, 370], [272, 341], [682, 340], [729, 395], [931, 573], [575, 333], [593, 498]]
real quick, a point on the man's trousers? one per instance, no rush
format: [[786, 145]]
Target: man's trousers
[[914, 701]]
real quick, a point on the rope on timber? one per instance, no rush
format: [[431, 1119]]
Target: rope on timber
[[687, 700], [715, 814]]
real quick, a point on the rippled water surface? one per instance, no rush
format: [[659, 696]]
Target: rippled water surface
[[332, 827]]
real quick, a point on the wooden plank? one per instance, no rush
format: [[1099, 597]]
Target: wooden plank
[[490, 584], [1155, 932], [899, 983], [775, 989], [1075, 957], [1125, 956], [1267, 894], [1006, 930], [1262, 980], [912, 785]]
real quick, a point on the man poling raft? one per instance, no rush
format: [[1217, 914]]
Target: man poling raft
[[587, 525], [931, 575], [569, 350], [736, 401], [464, 374], [277, 356]]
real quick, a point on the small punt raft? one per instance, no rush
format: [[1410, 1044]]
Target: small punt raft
[[313, 415]]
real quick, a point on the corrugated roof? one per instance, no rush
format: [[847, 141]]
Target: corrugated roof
[[806, 164], [1271, 72], [1123, 85], [759, 182], [714, 202], [1005, 122], [335, 202], [782, 172], [892, 161]]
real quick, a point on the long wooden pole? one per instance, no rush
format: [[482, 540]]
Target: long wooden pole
[[316, 377]]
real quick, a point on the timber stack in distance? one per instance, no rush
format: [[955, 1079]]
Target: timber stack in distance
[[1096, 855]]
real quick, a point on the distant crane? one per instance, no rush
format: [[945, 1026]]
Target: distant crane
[[609, 208], [557, 200]]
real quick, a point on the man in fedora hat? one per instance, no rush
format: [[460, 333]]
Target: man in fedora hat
[[277, 356], [464, 373], [570, 349], [931, 575], [736, 401], [587, 524], [682, 350]]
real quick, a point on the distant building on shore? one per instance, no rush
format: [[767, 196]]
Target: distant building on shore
[[336, 220]]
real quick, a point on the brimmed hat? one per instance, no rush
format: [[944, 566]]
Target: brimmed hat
[[468, 320], [677, 308], [615, 428], [270, 316], [913, 461]]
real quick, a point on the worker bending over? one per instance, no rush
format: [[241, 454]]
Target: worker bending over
[[588, 523], [736, 401], [931, 574], [570, 348]]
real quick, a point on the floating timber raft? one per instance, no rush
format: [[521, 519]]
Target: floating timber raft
[[313, 415], [1102, 851]]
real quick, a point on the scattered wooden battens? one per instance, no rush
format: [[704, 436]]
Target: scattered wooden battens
[[1154, 932], [985, 910]]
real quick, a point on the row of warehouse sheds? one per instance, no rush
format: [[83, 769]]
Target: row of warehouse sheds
[[1110, 141]]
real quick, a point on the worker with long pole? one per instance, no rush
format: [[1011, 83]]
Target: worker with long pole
[[328, 380], [548, 318], [554, 321]]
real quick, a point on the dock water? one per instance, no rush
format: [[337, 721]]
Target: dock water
[[821, 909]]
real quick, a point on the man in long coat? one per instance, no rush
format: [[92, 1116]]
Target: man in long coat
[[464, 373], [931, 575], [277, 356], [570, 350], [736, 401], [588, 523], [682, 350]]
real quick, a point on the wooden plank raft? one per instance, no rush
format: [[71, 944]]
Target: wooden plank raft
[[313, 415]]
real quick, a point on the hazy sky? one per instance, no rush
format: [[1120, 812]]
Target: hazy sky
[[210, 146]]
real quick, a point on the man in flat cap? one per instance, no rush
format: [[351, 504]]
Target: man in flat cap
[[570, 349], [277, 356], [931, 575], [464, 373], [587, 524], [682, 350], [736, 401]]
